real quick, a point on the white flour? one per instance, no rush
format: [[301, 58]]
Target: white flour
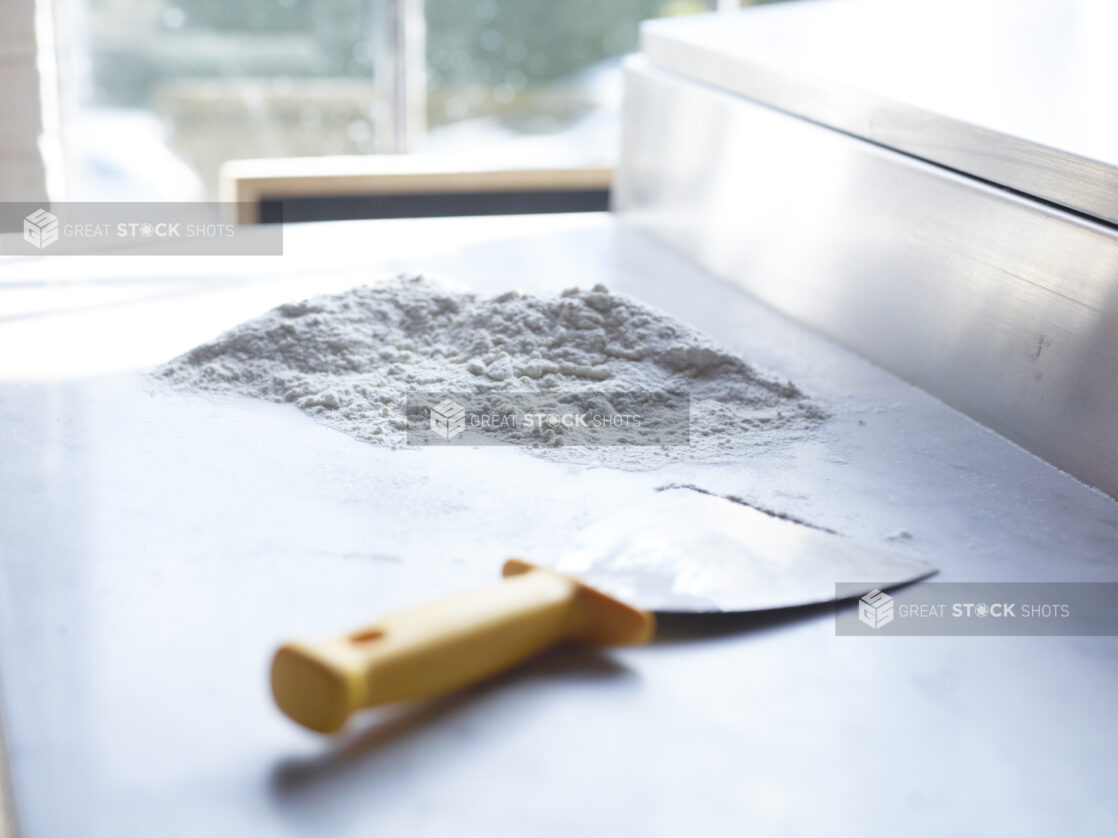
[[351, 359]]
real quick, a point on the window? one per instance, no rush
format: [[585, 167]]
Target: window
[[158, 93]]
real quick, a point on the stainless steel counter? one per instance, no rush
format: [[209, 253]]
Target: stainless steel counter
[[155, 547], [1014, 92], [932, 185]]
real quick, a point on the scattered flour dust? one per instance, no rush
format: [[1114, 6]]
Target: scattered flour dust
[[351, 359]]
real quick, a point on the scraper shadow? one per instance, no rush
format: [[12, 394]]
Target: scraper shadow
[[673, 628], [381, 741]]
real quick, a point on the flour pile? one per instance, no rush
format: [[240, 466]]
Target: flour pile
[[352, 360]]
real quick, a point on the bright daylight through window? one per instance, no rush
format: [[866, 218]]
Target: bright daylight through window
[[157, 94]]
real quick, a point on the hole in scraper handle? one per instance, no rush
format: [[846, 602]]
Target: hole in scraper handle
[[366, 636]]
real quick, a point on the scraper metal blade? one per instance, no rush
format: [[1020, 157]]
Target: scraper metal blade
[[676, 551], [687, 551]]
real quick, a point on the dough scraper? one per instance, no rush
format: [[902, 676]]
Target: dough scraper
[[678, 551]]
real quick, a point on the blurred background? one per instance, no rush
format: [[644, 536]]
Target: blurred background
[[156, 94]]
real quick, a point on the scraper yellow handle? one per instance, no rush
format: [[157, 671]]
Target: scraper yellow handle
[[436, 648]]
